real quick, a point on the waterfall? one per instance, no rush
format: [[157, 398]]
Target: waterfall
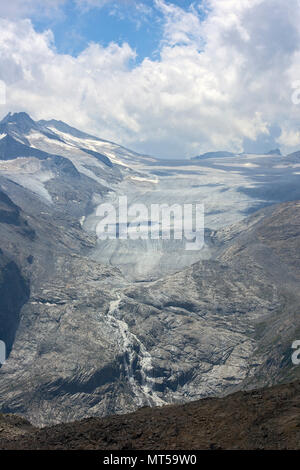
[[135, 357]]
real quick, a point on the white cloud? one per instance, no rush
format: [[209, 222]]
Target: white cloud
[[47, 8], [217, 82], [181, 27], [28, 8]]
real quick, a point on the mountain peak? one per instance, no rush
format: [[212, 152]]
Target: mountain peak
[[274, 152], [17, 122], [17, 117], [65, 128], [218, 154]]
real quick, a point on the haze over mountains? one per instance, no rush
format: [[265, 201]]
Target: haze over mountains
[[97, 327]]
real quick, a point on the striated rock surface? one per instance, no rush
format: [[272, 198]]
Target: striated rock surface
[[90, 343], [258, 420], [89, 331]]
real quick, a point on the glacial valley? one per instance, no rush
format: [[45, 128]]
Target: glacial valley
[[97, 327]]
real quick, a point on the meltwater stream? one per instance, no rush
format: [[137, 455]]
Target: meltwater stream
[[135, 357]]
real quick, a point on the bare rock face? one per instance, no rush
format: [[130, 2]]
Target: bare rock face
[[14, 293], [226, 323], [265, 419], [61, 344], [89, 343], [86, 338], [13, 426]]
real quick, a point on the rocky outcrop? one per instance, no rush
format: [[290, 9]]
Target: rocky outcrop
[[257, 420], [14, 293]]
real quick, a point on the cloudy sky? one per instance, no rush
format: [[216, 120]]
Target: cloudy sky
[[168, 78]]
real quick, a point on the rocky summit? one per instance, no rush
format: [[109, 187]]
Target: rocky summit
[[98, 327]]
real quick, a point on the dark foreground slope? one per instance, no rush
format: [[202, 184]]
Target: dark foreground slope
[[261, 419]]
